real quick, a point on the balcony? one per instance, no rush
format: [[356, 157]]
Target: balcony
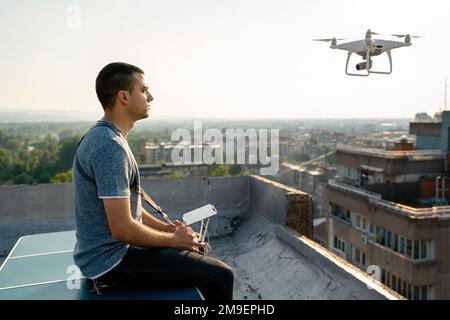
[[376, 200]]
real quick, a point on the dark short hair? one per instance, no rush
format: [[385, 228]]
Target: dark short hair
[[112, 78]]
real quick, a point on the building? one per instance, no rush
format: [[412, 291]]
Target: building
[[262, 229], [432, 134], [161, 152], [171, 170], [388, 208]]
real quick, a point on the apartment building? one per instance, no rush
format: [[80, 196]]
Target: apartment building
[[389, 209]]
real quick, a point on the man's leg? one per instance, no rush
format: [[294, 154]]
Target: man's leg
[[171, 268]]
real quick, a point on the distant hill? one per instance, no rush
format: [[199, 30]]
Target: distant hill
[[7, 116]]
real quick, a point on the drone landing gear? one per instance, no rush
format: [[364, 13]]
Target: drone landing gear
[[367, 65], [390, 65]]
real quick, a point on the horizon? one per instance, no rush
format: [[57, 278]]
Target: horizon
[[92, 114]]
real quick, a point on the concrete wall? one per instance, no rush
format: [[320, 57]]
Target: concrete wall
[[43, 208], [282, 204], [230, 196], [251, 222], [428, 143], [34, 209], [391, 166]]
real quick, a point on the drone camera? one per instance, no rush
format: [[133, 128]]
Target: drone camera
[[363, 65]]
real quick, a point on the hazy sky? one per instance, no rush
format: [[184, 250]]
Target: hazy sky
[[224, 58]]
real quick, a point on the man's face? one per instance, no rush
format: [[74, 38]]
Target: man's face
[[139, 98]]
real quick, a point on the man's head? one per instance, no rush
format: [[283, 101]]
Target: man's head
[[124, 84]]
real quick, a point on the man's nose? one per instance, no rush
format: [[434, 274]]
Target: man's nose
[[149, 97]]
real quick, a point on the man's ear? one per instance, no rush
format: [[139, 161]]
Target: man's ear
[[123, 96]]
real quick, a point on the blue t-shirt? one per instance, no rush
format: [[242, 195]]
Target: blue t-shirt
[[104, 155]]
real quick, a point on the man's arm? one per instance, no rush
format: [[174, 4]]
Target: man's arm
[[125, 229], [153, 222]]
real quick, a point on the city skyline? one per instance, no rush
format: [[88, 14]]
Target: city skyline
[[217, 59]]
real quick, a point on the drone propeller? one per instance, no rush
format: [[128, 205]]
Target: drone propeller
[[328, 40], [404, 35]]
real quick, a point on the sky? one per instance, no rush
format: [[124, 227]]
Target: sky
[[224, 58]]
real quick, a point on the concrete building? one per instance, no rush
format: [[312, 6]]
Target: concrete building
[[263, 230], [389, 209], [432, 134], [171, 170], [157, 153]]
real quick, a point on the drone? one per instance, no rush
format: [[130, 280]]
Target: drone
[[368, 48]]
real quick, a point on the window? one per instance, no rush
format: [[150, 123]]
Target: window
[[388, 239], [416, 295], [349, 251], [416, 248], [363, 259], [364, 224], [371, 228], [342, 246], [401, 247], [423, 249], [357, 221], [382, 235], [379, 235], [404, 289], [388, 279], [409, 292], [383, 276], [424, 293], [340, 213], [408, 248], [357, 255], [394, 283], [395, 246]]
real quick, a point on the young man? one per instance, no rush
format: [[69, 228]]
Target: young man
[[119, 243]]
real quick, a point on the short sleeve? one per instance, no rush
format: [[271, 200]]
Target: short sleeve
[[112, 171]]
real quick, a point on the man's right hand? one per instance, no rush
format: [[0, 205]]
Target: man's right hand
[[185, 238]]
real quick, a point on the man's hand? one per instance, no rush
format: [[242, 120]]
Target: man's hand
[[185, 238], [170, 228]]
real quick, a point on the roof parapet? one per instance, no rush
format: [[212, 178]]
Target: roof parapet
[[376, 200], [414, 155]]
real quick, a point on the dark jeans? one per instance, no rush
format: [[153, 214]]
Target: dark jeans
[[172, 268]]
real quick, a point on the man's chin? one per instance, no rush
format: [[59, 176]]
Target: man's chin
[[142, 116]]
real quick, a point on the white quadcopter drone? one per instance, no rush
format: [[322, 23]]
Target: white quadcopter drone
[[368, 48]]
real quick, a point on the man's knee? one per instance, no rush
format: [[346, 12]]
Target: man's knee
[[227, 273]]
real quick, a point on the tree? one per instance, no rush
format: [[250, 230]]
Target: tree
[[67, 151], [218, 170], [62, 177], [300, 157], [235, 169]]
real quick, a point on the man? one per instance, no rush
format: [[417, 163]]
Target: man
[[119, 243]]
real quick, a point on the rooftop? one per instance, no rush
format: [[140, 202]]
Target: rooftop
[[256, 231], [376, 200], [411, 155]]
